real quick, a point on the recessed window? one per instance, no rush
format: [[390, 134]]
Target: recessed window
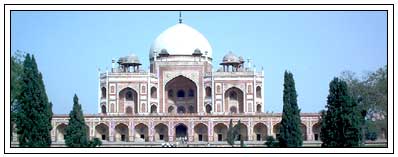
[[233, 95], [103, 92], [171, 109], [180, 94], [219, 137], [103, 137], [208, 92], [190, 93], [103, 109], [129, 95], [181, 109], [208, 108], [170, 93], [191, 109], [258, 137], [161, 137]]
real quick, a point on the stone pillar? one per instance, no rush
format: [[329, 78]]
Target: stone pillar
[[271, 130], [111, 131], [171, 131], [53, 132], [191, 131], [151, 132], [250, 131], [131, 130], [210, 131], [310, 135]]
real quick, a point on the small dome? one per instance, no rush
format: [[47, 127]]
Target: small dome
[[231, 58], [197, 52], [164, 52], [180, 39], [131, 59]]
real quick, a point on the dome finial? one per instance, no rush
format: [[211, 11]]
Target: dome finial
[[180, 19]]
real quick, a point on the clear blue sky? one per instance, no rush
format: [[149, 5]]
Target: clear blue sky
[[315, 46]]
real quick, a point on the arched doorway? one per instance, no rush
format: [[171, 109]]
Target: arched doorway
[[258, 92], [128, 98], [258, 108], [122, 132], [200, 132], [154, 108], [208, 92], [61, 132], [141, 133], [220, 132], [102, 132], [103, 93], [234, 100], [154, 92], [260, 132], [316, 129], [243, 132], [181, 131], [276, 129], [161, 133], [182, 93]]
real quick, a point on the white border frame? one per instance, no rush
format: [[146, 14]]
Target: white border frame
[[195, 7]]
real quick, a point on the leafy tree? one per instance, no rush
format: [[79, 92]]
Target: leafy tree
[[341, 122], [16, 78], [15, 83], [290, 131], [33, 117], [76, 131], [370, 93]]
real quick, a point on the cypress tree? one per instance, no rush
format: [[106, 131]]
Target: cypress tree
[[290, 132], [34, 114], [237, 133], [231, 134], [76, 131], [341, 122]]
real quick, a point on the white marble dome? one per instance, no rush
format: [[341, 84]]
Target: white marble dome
[[181, 39]]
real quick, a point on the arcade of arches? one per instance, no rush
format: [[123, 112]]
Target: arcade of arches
[[194, 132]]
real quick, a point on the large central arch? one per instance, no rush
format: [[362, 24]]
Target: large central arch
[[181, 95], [234, 100]]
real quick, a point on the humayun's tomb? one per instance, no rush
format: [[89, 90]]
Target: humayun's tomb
[[181, 98]]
